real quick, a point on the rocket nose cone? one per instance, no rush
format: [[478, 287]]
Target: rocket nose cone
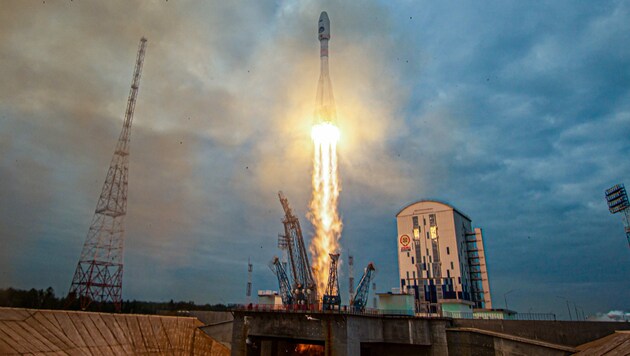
[[323, 26]]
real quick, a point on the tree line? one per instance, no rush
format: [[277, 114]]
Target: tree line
[[46, 299]]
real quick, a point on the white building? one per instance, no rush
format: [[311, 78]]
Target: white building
[[441, 258]]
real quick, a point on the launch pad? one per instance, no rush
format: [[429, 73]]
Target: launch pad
[[267, 333], [273, 332]]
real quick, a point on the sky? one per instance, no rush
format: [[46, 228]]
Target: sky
[[516, 113]]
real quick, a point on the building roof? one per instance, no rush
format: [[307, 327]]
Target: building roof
[[434, 201]]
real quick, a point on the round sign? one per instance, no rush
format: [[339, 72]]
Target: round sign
[[404, 240]]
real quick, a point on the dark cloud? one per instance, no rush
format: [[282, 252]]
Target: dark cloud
[[516, 114]]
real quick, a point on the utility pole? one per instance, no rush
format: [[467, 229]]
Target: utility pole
[[568, 307], [505, 298]]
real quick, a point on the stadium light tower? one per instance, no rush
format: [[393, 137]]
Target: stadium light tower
[[617, 200]]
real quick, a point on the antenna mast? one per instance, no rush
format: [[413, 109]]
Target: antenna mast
[[98, 277]]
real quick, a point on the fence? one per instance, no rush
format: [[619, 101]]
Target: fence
[[498, 314]]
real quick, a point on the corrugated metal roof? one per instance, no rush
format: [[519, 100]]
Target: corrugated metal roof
[[25, 331]]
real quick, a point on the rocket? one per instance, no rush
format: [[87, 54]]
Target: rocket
[[325, 103]]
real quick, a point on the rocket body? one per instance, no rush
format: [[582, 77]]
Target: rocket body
[[325, 102]]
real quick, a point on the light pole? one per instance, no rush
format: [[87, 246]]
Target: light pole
[[577, 316], [568, 308], [505, 297]]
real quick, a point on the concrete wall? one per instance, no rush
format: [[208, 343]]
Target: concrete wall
[[569, 333], [347, 334], [217, 325], [469, 343], [341, 334], [211, 317], [380, 349]]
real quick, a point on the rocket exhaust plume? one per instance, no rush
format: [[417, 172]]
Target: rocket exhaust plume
[[326, 185]]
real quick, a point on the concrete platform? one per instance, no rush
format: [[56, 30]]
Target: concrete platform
[[258, 332]]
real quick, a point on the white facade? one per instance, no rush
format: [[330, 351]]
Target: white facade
[[440, 257], [269, 298]]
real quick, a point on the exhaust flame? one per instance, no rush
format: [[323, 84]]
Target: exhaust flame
[[323, 208]]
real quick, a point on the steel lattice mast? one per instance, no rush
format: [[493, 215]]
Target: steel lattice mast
[[283, 281], [98, 277], [360, 299], [293, 240], [331, 298]]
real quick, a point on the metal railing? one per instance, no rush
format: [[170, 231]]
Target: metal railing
[[306, 309], [500, 316]]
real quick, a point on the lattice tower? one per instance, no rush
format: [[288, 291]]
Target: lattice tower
[[250, 269], [363, 289], [293, 239], [333, 281], [350, 277], [283, 281], [98, 276]]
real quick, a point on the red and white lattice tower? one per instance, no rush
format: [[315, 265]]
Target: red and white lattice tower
[[98, 277]]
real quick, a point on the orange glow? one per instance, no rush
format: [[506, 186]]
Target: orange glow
[[308, 349], [323, 208]]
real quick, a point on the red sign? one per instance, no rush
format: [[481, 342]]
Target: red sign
[[405, 240]]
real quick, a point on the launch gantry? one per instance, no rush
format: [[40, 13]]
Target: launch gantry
[[360, 299], [283, 281], [304, 286], [331, 299]]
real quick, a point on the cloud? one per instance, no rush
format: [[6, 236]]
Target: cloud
[[517, 115], [613, 315]]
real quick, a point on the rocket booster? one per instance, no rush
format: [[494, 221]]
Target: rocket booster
[[325, 102]]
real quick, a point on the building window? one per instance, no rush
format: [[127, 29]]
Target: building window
[[452, 265], [448, 273], [459, 280], [424, 221], [407, 254], [424, 259], [415, 221], [414, 274], [427, 234], [407, 274], [448, 251], [412, 261]]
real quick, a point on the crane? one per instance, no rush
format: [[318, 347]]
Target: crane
[[331, 299], [360, 299], [283, 281]]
